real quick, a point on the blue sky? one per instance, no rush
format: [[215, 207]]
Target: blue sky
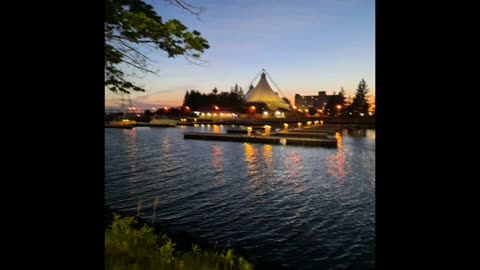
[[305, 45]]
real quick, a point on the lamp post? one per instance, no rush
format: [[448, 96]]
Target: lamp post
[[339, 107]]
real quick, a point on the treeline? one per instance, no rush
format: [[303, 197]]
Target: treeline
[[339, 104], [232, 100]]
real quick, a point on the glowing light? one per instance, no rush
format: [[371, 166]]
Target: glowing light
[[267, 129]]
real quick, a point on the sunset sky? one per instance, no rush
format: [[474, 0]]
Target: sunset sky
[[305, 45]]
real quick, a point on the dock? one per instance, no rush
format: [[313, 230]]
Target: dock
[[143, 124], [118, 126], [279, 140], [288, 134]]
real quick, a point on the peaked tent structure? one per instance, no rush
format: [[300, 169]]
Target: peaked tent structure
[[264, 93]]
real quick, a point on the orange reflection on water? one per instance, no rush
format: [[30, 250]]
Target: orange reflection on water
[[251, 159], [337, 165], [338, 136], [267, 155]]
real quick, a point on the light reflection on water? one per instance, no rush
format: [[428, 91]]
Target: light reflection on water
[[267, 155], [337, 163], [306, 207], [217, 164]]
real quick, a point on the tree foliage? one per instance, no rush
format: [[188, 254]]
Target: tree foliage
[[132, 27], [231, 100]]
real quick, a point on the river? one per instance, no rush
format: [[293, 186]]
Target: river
[[304, 207]]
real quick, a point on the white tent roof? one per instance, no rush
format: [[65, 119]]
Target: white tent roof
[[264, 93]]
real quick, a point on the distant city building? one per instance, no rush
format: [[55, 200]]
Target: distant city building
[[317, 102]]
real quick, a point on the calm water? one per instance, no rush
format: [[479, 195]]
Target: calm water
[[305, 207]]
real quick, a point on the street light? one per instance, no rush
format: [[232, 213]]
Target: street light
[[339, 107]]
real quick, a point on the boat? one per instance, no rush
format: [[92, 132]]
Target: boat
[[162, 121], [124, 123]]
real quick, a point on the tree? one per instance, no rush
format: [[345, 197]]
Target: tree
[[215, 91], [342, 97], [132, 27], [360, 103]]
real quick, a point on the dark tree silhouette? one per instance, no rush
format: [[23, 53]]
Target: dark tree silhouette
[[360, 103]]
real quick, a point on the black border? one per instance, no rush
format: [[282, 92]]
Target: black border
[[60, 134], [410, 140], [57, 133]]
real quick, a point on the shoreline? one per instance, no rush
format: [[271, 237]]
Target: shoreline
[[184, 239]]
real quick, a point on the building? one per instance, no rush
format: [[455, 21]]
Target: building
[[327, 104], [306, 102], [264, 93]]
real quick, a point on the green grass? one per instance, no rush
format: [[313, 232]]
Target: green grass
[[135, 249]]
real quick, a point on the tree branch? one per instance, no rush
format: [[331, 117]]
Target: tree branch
[[134, 50], [188, 7]]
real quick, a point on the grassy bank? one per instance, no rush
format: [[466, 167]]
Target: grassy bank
[[184, 245], [129, 247]]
